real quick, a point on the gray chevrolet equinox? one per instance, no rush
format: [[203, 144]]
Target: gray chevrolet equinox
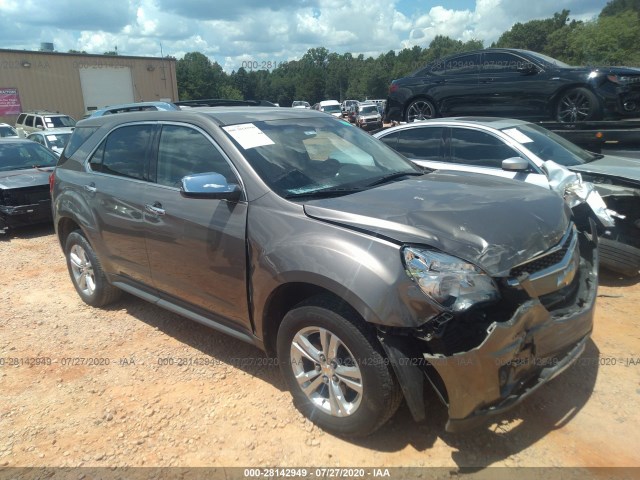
[[367, 278]]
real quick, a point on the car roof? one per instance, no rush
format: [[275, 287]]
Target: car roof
[[220, 115], [16, 140], [492, 122], [45, 113], [53, 131]]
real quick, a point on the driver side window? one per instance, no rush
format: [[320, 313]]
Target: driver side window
[[184, 151], [479, 149]]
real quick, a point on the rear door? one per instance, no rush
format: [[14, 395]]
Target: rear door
[[453, 85], [115, 188], [197, 250]]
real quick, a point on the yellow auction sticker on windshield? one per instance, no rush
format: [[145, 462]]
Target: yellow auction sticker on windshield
[[248, 135]]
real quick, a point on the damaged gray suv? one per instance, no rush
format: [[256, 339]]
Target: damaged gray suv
[[366, 277]]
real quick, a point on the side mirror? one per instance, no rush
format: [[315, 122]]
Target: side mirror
[[209, 185], [515, 164]]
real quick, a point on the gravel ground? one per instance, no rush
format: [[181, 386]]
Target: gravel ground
[[89, 387]]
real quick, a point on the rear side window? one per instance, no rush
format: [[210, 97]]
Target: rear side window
[[124, 152], [184, 151], [78, 137], [421, 143], [21, 118]]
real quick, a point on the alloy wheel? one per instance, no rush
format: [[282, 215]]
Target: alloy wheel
[[326, 371]]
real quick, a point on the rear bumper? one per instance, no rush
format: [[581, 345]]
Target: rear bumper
[[515, 358]]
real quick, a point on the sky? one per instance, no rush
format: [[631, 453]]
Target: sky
[[250, 33]]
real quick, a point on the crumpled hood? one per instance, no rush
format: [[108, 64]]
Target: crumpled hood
[[611, 165], [489, 221], [25, 178]]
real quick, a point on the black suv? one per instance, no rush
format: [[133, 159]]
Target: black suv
[[367, 277]]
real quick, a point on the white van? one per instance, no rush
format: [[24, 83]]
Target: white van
[[331, 107]]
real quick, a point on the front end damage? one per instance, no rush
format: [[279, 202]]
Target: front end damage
[[489, 358]]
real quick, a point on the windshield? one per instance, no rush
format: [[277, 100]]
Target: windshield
[[19, 156], [306, 156], [369, 109], [332, 108], [8, 132], [58, 140], [549, 146], [59, 122]]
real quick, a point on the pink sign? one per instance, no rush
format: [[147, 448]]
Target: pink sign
[[9, 102]]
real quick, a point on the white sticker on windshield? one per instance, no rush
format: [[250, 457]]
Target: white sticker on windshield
[[248, 135], [52, 138], [517, 135]]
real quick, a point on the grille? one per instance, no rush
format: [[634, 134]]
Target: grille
[[544, 261], [26, 196]]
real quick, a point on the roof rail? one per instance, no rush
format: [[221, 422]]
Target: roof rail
[[224, 102]]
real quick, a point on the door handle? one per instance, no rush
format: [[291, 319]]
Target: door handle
[[156, 208], [91, 188]]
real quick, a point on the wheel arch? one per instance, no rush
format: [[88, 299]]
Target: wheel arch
[[555, 98], [64, 227], [285, 297]]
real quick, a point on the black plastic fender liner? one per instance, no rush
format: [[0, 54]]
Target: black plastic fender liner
[[409, 374]]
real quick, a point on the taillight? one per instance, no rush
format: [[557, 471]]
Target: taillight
[[51, 178]]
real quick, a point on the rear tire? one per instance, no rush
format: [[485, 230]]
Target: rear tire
[[335, 368], [619, 257], [86, 272], [419, 109]]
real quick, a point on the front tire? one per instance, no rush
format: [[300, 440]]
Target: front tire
[[419, 109], [86, 272], [578, 105], [335, 368]]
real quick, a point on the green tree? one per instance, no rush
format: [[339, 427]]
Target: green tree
[[608, 41], [195, 76], [532, 35], [616, 7]]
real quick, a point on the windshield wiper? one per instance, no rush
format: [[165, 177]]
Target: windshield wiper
[[392, 176], [326, 192]]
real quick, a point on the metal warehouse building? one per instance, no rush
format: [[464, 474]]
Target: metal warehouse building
[[75, 84]]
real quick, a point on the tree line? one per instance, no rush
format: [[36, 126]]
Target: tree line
[[610, 39]]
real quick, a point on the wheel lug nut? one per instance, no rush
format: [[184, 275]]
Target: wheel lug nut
[[325, 379], [318, 367], [323, 358], [334, 365], [335, 379]]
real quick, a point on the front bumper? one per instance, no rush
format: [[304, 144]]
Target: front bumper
[[515, 358], [24, 215]]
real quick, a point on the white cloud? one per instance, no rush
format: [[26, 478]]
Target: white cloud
[[254, 30]]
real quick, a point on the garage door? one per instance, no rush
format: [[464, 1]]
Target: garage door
[[102, 86]]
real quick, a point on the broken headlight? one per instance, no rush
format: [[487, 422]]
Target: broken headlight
[[452, 283]]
